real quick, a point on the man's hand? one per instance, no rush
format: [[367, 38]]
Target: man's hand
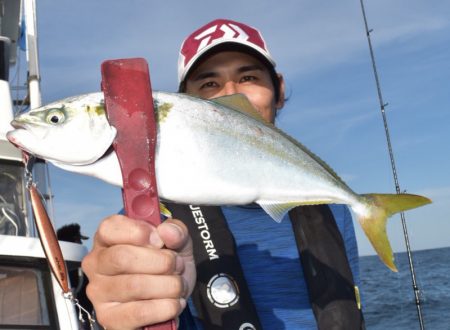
[[138, 274]]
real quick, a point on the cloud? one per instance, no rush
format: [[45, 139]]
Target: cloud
[[328, 36], [340, 119]]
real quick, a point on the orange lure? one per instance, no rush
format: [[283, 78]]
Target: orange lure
[[48, 239]]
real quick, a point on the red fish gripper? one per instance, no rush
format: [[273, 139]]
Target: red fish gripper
[[129, 107]]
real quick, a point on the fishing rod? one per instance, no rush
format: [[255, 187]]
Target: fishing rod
[[394, 172]]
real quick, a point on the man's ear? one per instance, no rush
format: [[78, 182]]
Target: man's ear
[[280, 102]]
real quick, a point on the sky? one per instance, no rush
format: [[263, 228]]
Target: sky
[[321, 48]]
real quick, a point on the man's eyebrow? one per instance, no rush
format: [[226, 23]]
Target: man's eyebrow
[[252, 67], [205, 75]]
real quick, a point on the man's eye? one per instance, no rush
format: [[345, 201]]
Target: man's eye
[[209, 84], [248, 78]]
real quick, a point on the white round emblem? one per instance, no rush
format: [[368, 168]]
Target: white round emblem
[[222, 290], [247, 326]]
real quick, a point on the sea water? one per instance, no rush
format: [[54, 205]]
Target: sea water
[[388, 298]]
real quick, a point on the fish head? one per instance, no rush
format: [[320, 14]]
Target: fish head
[[73, 131]]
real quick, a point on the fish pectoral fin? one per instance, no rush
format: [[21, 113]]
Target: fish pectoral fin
[[164, 210], [277, 210]]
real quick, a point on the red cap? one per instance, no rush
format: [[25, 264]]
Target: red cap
[[215, 33]]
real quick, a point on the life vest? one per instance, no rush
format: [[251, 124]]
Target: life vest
[[221, 296]]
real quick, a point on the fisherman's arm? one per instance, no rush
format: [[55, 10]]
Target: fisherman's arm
[[133, 280]]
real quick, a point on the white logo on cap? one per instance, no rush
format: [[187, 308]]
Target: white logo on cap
[[231, 31], [237, 33]]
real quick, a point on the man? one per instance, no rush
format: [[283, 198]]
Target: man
[[251, 275], [71, 233]]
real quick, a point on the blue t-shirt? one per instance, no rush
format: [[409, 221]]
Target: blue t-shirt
[[272, 268]]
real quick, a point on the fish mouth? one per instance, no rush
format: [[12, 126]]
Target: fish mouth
[[17, 124], [24, 125], [16, 144], [11, 135], [13, 141]]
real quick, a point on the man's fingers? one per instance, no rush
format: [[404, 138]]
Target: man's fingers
[[139, 274], [137, 314], [129, 259], [174, 234], [126, 288], [119, 229]]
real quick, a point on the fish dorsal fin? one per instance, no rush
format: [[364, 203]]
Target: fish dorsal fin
[[239, 102]]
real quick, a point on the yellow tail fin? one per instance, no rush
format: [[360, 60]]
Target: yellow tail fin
[[379, 207]]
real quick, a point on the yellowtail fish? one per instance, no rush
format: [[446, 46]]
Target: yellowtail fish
[[216, 152]]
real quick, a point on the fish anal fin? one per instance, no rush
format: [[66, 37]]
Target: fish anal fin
[[277, 210]]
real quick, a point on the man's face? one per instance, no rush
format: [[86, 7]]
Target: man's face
[[230, 72]]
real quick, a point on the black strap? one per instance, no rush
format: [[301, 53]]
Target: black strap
[[322, 252], [326, 268], [218, 269]]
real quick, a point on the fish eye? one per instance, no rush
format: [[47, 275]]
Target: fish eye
[[55, 116]]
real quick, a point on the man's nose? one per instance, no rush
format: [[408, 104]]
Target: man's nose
[[230, 88]]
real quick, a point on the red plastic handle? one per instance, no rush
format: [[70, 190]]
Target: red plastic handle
[[129, 106]]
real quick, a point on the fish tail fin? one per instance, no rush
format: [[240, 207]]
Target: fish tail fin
[[377, 209]]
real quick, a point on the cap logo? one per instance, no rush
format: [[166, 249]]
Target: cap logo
[[220, 31], [230, 31]]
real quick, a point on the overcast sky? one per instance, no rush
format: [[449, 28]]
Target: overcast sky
[[322, 50]]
